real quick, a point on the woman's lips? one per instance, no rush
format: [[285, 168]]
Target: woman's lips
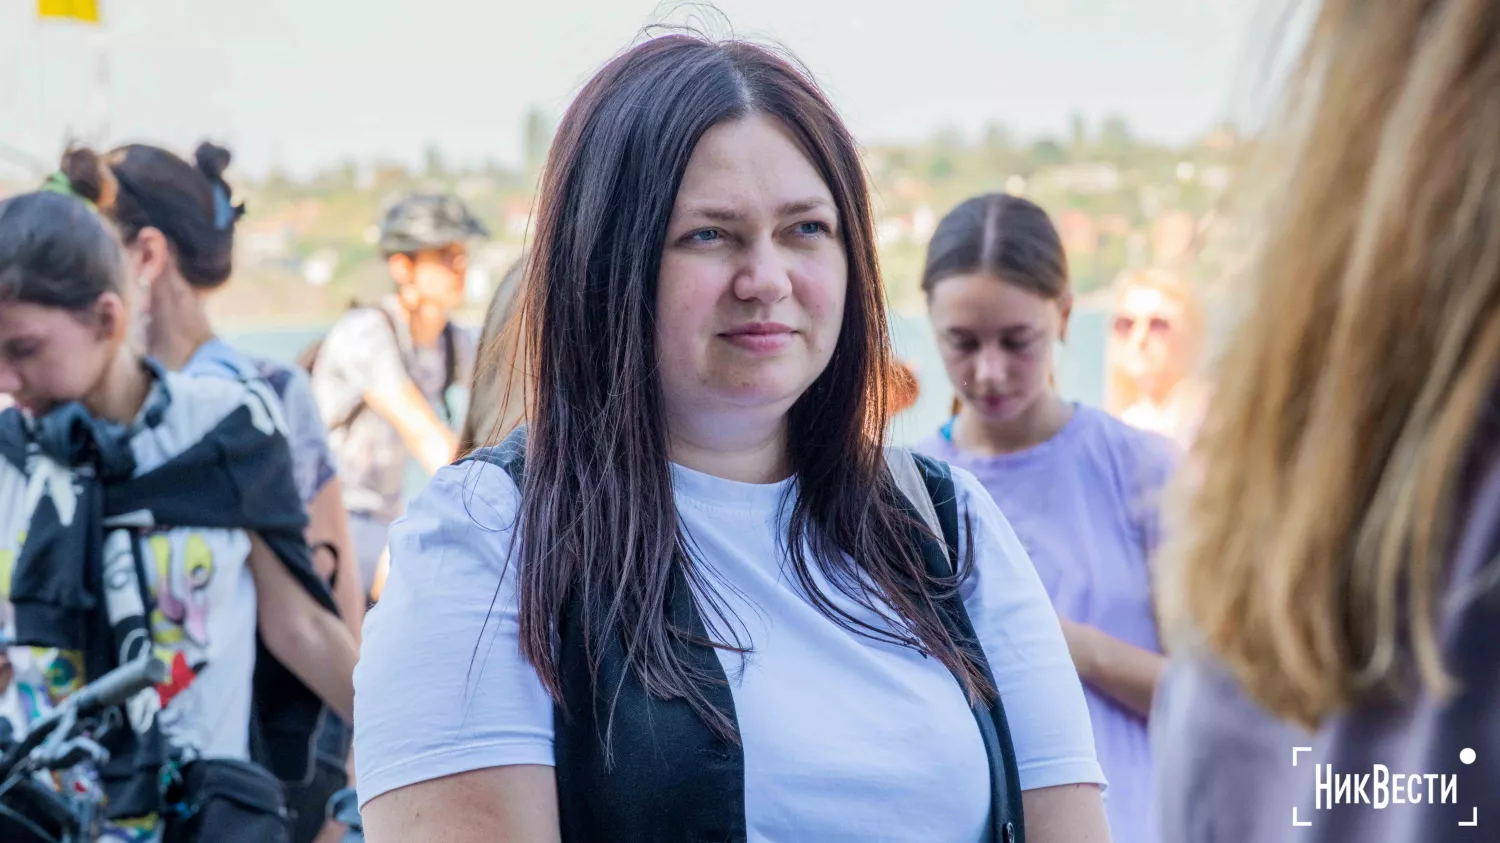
[[995, 403], [760, 337]]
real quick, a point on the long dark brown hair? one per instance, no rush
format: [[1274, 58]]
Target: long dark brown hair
[[1006, 236], [599, 531]]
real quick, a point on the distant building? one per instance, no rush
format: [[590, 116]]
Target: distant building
[[263, 242], [1086, 177], [516, 218], [923, 222], [1114, 225], [473, 187], [889, 230], [1172, 235], [1079, 233], [1222, 138], [319, 267], [487, 263], [911, 189], [914, 227], [1216, 177]]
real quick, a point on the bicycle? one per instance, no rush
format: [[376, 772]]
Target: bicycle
[[33, 812]]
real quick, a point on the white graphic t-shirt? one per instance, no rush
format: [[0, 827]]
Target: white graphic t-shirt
[[204, 598]]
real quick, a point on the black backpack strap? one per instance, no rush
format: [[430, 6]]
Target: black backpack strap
[[450, 367], [633, 768], [1007, 823], [1007, 820]]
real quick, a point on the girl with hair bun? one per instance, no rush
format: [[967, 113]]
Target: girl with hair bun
[[145, 512], [177, 222]]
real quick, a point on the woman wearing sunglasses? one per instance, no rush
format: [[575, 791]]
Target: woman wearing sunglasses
[[1077, 484], [1155, 338]]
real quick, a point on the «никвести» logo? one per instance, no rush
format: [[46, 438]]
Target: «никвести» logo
[[1381, 788]]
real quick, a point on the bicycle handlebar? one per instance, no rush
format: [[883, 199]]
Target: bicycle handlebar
[[112, 689], [118, 686]]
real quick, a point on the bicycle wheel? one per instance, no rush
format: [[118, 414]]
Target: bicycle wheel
[[32, 813]]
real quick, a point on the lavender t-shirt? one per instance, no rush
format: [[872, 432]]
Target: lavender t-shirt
[[1084, 506]]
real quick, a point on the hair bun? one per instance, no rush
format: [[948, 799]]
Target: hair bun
[[90, 177], [212, 160]]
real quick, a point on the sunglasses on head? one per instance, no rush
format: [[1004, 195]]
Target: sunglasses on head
[[1155, 325]]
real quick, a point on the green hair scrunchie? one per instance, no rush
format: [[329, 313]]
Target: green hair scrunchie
[[59, 182]]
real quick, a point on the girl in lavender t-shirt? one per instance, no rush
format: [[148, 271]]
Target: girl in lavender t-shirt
[[1078, 486]]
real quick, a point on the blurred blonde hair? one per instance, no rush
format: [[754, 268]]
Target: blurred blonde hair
[[1120, 390], [1311, 546], [497, 392]]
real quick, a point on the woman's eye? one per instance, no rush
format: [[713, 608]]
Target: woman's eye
[[707, 235], [1018, 344], [811, 229]]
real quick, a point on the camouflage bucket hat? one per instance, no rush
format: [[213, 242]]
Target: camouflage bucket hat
[[428, 221]]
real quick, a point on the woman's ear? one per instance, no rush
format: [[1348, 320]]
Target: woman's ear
[[402, 268], [111, 317], [1065, 311], [150, 256]]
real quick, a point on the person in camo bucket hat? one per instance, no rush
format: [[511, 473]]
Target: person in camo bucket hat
[[382, 375], [427, 221]]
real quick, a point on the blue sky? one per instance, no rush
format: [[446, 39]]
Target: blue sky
[[306, 82]]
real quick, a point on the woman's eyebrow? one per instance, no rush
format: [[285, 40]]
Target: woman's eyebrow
[[802, 206], [719, 213]]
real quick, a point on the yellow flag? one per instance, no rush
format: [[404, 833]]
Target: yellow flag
[[84, 10]]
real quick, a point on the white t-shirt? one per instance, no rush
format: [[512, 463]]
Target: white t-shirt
[[845, 738], [199, 579]]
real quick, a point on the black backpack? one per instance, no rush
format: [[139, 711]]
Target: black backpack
[[308, 360], [680, 781]]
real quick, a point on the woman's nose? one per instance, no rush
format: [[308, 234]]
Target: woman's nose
[[1140, 333], [762, 276], [989, 366]]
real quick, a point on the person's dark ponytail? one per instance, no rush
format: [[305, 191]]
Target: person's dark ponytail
[[90, 178], [212, 161], [140, 186]]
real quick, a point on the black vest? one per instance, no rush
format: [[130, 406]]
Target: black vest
[[671, 779]]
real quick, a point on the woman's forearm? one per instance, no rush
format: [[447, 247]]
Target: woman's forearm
[[1126, 673], [322, 655], [1070, 813], [310, 640]]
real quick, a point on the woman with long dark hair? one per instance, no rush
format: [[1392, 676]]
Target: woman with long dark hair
[[693, 599], [177, 222]]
